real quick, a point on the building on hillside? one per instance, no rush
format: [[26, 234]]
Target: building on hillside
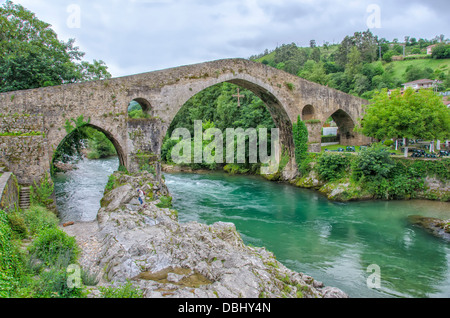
[[421, 83]]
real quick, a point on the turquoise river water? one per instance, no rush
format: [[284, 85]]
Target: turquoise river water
[[336, 243]]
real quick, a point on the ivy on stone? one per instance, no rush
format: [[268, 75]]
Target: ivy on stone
[[300, 133]]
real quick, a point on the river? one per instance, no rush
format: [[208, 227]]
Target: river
[[332, 242]]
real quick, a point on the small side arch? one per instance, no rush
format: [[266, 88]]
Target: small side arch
[[144, 104], [346, 125], [308, 112], [119, 149]]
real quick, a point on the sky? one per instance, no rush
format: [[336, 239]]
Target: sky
[[137, 36]]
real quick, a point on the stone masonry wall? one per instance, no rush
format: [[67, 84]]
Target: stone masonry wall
[[9, 192], [26, 156]]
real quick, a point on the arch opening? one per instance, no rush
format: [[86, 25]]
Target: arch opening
[[341, 126], [218, 105], [140, 108], [308, 112], [89, 141], [79, 184]]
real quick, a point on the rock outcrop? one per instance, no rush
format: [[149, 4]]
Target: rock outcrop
[[148, 246], [437, 227]]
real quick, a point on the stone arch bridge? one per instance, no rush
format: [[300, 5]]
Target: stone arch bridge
[[32, 121]]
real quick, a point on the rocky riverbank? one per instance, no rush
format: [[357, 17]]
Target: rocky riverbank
[[437, 227], [145, 244]]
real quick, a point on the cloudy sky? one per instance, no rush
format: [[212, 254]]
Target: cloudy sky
[[136, 36]]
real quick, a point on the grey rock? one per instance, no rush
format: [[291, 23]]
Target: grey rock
[[152, 241]]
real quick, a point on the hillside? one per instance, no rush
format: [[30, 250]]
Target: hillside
[[362, 64], [399, 67]]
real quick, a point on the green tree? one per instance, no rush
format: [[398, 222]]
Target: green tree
[[32, 56], [411, 115], [354, 64], [300, 133], [414, 72], [387, 57], [441, 51], [314, 72]]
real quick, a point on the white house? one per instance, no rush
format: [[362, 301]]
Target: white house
[[422, 83]]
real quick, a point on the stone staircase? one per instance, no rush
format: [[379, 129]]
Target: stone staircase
[[24, 198]]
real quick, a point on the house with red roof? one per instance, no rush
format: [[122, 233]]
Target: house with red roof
[[421, 83]]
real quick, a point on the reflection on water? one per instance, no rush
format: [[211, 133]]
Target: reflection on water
[[333, 242], [78, 192]]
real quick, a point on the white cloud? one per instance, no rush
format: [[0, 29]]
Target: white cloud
[[142, 35]]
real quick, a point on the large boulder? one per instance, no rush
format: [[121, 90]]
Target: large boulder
[[147, 245]]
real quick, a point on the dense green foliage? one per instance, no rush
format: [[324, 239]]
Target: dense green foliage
[[331, 166], [38, 219], [41, 193], [217, 108], [52, 245], [412, 115], [31, 55], [373, 171], [98, 145], [40, 271], [9, 262], [373, 162], [135, 111], [361, 64], [441, 51]]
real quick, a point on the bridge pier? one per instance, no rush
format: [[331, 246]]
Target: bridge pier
[[144, 144]]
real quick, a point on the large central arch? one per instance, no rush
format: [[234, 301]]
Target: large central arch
[[273, 104]]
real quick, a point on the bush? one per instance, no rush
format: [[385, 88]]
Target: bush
[[125, 291], [373, 162], [55, 247], [306, 165], [38, 218], [41, 194], [53, 284], [332, 167], [9, 261], [234, 168], [166, 202], [441, 51], [400, 186], [18, 225]]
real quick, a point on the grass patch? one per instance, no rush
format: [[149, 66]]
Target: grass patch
[[399, 67], [35, 257]]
